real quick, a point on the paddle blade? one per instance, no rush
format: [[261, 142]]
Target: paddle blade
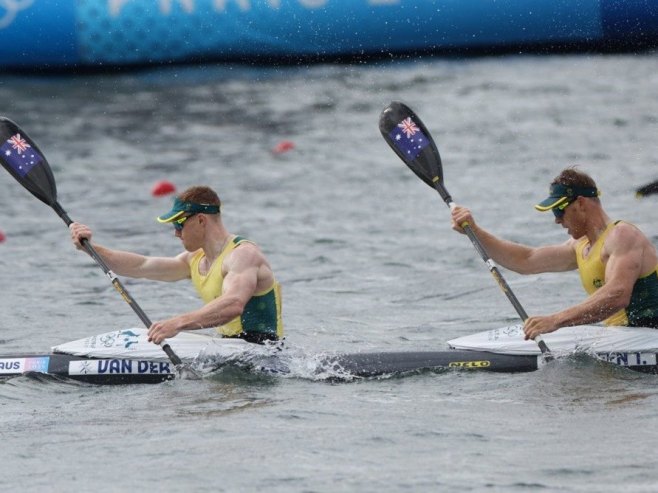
[[649, 189], [22, 158], [404, 131]]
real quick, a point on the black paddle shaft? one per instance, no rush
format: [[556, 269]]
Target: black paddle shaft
[[407, 135], [21, 157], [118, 285]]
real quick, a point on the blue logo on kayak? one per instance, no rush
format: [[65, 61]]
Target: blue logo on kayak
[[129, 338], [125, 338]]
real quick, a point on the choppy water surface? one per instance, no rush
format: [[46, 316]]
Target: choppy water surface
[[367, 259]]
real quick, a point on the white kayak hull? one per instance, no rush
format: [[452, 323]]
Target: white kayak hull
[[133, 344], [593, 339]]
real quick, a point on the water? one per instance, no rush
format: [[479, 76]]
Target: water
[[367, 259]]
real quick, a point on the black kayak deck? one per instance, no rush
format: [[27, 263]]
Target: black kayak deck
[[376, 364], [132, 371]]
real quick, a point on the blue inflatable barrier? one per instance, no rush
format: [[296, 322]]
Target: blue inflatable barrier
[[59, 34]]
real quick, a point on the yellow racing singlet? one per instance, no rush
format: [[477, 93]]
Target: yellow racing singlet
[[643, 308], [261, 318]]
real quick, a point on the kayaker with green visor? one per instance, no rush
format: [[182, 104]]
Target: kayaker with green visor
[[617, 262], [561, 196], [230, 273], [182, 210]]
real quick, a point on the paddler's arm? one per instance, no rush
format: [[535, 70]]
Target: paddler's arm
[[246, 270], [132, 264], [624, 251], [515, 256]]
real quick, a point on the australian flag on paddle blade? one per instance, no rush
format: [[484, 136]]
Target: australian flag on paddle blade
[[408, 138], [19, 154]]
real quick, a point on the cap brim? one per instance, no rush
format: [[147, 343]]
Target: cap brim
[[170, 216], [550, 203]]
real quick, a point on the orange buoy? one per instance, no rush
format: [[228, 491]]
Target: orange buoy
[[162, 187], [283, 146]]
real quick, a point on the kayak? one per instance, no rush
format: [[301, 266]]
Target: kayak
[[126, 357], [632, 347]]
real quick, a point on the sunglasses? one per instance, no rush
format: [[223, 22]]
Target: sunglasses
[[180, 223], [558, 211]]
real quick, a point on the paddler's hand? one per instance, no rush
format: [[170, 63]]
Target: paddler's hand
[[461, 215], [78, 233], [161, 330], [535, 326]]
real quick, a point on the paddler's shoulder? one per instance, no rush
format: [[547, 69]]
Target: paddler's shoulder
[[189, 257]]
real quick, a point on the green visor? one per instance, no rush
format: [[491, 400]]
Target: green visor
[[559, 194], [182, 207]]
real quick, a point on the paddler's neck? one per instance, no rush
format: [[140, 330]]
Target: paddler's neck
[[216, 239], [215, 247], [597, 224]]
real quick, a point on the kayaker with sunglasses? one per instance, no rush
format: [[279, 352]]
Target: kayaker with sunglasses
[[618, 264], [230, 273]]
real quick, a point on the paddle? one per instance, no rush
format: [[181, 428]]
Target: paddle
[[648, 189], [25, 162], [412, 142]]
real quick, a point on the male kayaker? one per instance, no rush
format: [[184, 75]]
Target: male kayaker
[[618, 264], [231, 274]]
